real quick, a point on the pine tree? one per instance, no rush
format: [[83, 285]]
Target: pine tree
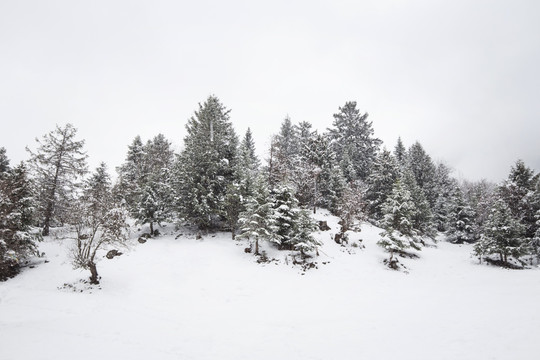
[[502, 234], [352, 134], [460, 221], [480, 196], [4, 161], [284, 153], [400, 153], [207, 165], [398, 221], [58, 163], [381, 182], [285, 207], [423, 169], [258, 221], [518, 191], [303, 239], [447, 190], [422, 216], [18, 238], [247, 166], [145, 181]]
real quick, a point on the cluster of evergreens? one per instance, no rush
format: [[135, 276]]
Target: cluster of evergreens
[[217, 183]]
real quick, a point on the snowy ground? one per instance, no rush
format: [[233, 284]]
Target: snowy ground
[[207, 299]]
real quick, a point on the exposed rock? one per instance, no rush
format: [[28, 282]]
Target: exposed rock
[[111, 254]]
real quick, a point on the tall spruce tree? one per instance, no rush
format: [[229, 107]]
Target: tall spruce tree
[[18, 238], [423, 169], [283, 153], [398, 221], [257, 221], [502, 234], [58, 163], [352, 136], [4, 161], [381, 182], [400, 153], [207, 165]]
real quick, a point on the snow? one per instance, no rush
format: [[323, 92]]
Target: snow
[[208, 299]]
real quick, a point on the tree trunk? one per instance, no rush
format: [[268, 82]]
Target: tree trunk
[[151, 228], [256, 246], [94, 279]]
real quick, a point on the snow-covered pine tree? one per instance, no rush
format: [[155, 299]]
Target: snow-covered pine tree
[[502, 234], [518, 191], [312, 172], [258, 221], [131, 174], [380, 183], [352, 134], [207, 165], [480, 196], [58, 165], [423, 169], [247, 166], [283, 154], [460, 220], [398, 221], [447, 190], [303, 239], [400, 153], [18, 238], [422, 217], [145, 181], [285, 207], [4, 161]]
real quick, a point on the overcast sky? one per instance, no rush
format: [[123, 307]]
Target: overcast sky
[[461, 77]]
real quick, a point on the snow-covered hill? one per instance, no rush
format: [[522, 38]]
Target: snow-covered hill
[[208, 299]]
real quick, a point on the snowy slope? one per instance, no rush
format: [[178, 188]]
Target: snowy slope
[[207, 299]]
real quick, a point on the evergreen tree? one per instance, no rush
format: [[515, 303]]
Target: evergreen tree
[[4, 161], [502, 234], [352, 134], [258, 221], [460, 221], [58, 163], [17, 214], [131, 174], [398, 221], [207, 165], [381, 182], [283, 153], [248, 165], [448, 191], [422, 216], [285, 207], [145, 181], [400, 153], [518, 191], [423, 169], [303, 239], [480, 196]]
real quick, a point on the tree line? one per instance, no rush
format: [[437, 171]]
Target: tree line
[[217, 183]]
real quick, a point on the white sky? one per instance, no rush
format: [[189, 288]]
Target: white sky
[[461, 77]]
